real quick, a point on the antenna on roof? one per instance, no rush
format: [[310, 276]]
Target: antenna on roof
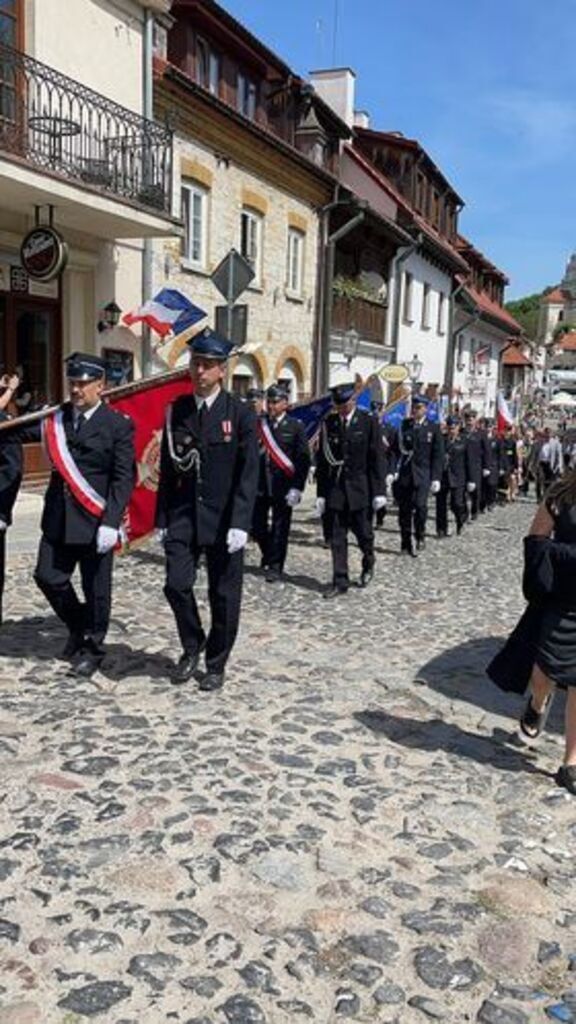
[[335, 31]]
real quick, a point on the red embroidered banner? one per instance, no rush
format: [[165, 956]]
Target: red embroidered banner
[[145, 402]]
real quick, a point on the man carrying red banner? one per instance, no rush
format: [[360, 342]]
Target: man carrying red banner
[[284, 466], [92, 454], [206, 493]]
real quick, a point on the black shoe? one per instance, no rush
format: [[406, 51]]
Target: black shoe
[[409, 551], [73, 646], [334, 591], [566, 777], [85, 665], [212, 681], [273, 575], [441, 534], [420, 544], [186, 666], [366, 577]]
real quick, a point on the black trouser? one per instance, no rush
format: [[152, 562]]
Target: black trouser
[[454, 495], [475, 497], [224, 595], [412, 510], [489, 493], [271, 530], [2, 566], [380, 516], [54, 568], [338, 523], [544, 477]]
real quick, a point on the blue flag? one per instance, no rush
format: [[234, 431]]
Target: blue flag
[[311, 414], [364, 399], [395, 413], [188, 314]]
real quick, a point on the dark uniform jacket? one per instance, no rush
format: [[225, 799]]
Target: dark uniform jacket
[[493, 459], [10, 471], [358, 446], [508, 455], [455, 463], [476, 454], [420, 450], [201, 504], [103, 450], [291, 438]]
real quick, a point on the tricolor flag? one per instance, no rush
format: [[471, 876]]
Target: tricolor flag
[[169, 312], [504, 418], [311, 415]]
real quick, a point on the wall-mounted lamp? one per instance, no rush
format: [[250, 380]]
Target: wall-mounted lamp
[[350, 345], [110, 317]]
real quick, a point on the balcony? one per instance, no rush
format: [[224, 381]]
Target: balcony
[[57, 125], [366, 316]]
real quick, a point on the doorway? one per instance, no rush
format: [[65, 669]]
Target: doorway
[[30, 346]]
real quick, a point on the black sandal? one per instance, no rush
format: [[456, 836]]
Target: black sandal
[[532, 722]]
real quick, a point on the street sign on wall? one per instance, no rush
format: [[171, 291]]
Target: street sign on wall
[[232, 276]]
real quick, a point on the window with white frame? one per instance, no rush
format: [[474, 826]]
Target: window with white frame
[[194, 214], [426, 304], [246, 95], [441, 325], [295, 262], [207, 67], [251, 224], [408, 297]]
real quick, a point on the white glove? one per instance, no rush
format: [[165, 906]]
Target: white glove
[[485, 472], [106, 538], [320, 506], [236, 540], [379, 502], [3, 526], [470, 487], [161, 536], [390, 480], [435, 487], [293, 497]]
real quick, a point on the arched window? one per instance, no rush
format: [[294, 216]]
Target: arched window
[[291, 376], [246, 375]]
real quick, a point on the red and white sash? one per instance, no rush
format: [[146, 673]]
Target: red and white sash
[[56, 444], [276, 453]]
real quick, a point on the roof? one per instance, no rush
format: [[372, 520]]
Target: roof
[[492, 310], [512, 356], [235, 29], [397, 139], [465, 247], [566, 342], [556, 295]]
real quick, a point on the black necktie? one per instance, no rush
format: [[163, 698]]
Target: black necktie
[[79, 421], [201, 414]]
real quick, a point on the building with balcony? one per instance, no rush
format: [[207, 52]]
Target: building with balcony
[[257, 156], [77, 154]]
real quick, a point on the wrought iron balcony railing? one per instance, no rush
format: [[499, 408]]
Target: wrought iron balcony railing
[[67, 129]]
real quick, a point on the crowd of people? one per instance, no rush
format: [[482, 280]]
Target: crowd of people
[[232, 468]]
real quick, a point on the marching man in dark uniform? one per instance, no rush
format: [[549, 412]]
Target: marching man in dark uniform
[[351, 483], [420, 453], [91, 448], [490, 479], [477, 459], [284, 467], [453, 483], [377, 410], [206, 494], [10, 472]]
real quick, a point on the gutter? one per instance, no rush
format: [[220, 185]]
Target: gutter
[[395, 285]]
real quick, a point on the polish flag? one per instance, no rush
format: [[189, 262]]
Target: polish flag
[[504, 417]]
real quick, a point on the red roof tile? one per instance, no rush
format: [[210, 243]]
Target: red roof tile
[[493, 310], [512, 356], [566, 342], [556, 295]]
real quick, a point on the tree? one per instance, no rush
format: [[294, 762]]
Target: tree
[[527, 311]]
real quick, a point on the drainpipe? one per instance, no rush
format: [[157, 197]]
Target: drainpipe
[[396, 277], [323, 361], [148, 113], [452, 336]]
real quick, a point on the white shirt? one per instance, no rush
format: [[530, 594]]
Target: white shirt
[[77, 413], [545, 452], [208, 401], [276, 420]]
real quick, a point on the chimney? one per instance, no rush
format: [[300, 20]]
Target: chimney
[[361, 119], [337, 87]]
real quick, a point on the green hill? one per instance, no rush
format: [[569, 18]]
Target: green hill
[[526, 311]]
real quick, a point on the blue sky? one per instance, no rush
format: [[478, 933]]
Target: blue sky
[[489, 89]]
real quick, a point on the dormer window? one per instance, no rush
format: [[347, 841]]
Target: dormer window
[[207, 67], [246, 95]]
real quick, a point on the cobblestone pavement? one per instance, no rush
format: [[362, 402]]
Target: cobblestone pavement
[[348, 830]]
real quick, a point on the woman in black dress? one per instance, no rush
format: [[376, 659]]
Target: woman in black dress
[[555, 646]]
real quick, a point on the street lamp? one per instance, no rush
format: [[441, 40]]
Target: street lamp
[[414, 368], [350, 345], [110, 317]]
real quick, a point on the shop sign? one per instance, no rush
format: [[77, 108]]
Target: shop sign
[[394, 372], [44, 253]]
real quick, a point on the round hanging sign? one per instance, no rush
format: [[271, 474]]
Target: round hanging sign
[[44, 254], [394, 372]]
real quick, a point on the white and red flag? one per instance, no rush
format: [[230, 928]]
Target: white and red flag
[[504, 418]]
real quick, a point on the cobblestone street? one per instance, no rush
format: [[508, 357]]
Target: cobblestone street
[[349, 830]]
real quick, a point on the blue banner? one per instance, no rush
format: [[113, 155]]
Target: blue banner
[[311, 414]]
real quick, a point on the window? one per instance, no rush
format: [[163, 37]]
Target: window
[[195, 217], [207, 67], [295, 262], [426, 303], [10, 35], [251, 242], [441, 326], [408, 296], [246, 95]]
